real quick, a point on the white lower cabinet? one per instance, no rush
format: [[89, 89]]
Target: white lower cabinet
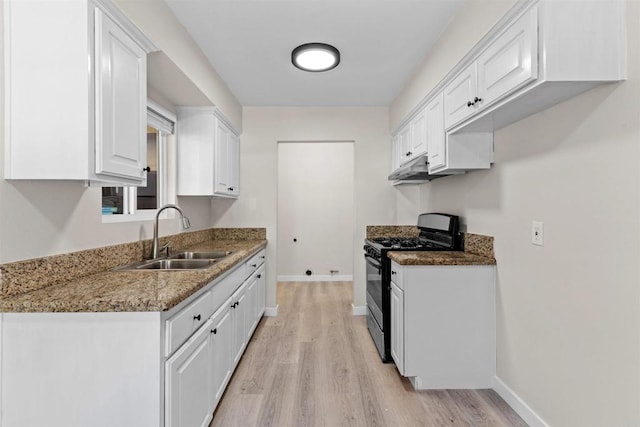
[[443, 325], [221, 338], [199, 371], [187, 381], [129, 369], [397, 326], [239, 314]]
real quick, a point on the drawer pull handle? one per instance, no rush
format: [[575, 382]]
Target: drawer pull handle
[[214, 331], [259, 276], [393, 272], [254, 265], [234, 305], [197, 317]]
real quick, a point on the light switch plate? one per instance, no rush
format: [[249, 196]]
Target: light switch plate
[[537, 233]]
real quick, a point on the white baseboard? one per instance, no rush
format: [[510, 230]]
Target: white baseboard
[[317, 278], [517, 404], [359, 310], [271, 311]]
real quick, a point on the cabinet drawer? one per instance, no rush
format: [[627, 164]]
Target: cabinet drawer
[[255, 262], [396, 275], [187, 321]]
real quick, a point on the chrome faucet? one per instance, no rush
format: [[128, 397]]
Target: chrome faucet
[[155, 252]]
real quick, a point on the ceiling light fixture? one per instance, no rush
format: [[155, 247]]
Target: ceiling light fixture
[[315, 57]]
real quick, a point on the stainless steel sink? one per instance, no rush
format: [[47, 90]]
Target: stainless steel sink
[[200, 255], [168, 264]]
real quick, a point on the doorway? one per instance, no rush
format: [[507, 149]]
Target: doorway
[[315, 211]]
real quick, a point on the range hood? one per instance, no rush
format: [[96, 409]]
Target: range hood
[[414, 172]]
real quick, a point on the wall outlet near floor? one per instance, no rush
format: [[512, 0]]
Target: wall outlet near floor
[[537, 233]]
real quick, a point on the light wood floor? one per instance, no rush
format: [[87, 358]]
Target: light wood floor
[[316, 365]]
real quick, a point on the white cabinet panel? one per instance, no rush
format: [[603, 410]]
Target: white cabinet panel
[[208, 154], [89, 101], [121, 101], [458, 352], [459, 96], [435, 133], [221, 335], [239, 311], [188, 386], [397, 327], [418, 136], [511, 61]]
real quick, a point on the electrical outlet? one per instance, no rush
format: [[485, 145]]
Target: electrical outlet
[[537, 233]]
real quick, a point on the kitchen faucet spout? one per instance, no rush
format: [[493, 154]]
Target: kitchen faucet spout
[[155, 252]]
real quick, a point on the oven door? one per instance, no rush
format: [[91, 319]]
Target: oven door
[[374, 288]]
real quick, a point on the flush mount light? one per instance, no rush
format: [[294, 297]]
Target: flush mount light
[[315, 57]]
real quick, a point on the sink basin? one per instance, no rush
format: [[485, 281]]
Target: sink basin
[[168, 264], [201, 255], [176, 264]]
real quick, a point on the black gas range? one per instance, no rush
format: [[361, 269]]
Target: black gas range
[[437, 232]]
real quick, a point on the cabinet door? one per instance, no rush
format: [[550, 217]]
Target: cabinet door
[[221, 336], [459, 96], [121, 101], [251, 301], [418, 136], [397, 326], [261, 293], [239, 313], [395, 153], [188, 382], [222, 185], [233, 164], [436, 140], [405, 144], [511, 61]]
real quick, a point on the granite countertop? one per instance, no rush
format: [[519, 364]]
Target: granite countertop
[[439, 258], [128, 291]]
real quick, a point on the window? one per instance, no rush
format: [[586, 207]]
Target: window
[[134, 203]]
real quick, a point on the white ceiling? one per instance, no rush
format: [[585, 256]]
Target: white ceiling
[[249, 43]]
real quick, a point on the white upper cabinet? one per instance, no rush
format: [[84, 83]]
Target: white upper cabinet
[[121, 101], [543, 52], [80, 114], [540, 53], [458, 96], [510, 61], [208, 154], [506, 64], [418, 136], [434, 113]]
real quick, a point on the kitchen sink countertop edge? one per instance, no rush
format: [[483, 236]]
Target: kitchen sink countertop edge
[[133, 291]]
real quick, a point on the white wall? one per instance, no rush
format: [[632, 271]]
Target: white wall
[[157, 21], [568, 312], [257, 205], [315, 207], [44, 218]]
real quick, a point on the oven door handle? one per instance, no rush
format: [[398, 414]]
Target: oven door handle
[[374, 263]]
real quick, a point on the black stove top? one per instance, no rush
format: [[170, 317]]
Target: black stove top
[[399, 242]]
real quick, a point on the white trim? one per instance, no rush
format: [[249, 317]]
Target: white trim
[[359, 310], [271, 311], [317, 278], [517, 404]]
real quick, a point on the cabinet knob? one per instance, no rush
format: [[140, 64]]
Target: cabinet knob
[[476, 99], [254, 265], [262, 257], [259, 276], [470, 104], [197, 317], [147, 169], [230, 188], [214, 331], [234, 305], [393, 272]]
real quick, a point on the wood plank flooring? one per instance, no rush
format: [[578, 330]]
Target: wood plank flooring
[[316, 365]]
